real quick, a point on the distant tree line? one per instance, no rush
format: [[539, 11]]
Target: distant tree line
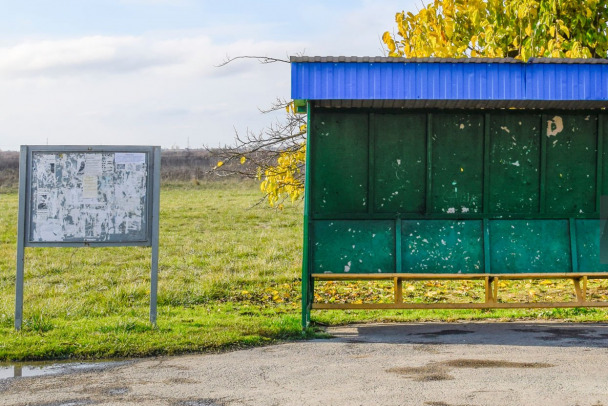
[[179, 165]]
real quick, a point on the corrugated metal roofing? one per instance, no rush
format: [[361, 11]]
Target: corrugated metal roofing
[[386, 59], [443, 82]]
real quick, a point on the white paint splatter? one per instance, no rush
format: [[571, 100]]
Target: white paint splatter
[[398, 161], [465, 209], [347, 266], [516, 163], [425, 240], [451, 210], [443, 242], [462, 126], [504, 128], [555, 126]]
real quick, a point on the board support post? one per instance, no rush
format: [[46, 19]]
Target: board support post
[[155, 232], [21, 239]]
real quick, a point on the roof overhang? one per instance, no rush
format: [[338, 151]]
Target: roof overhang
[[473, 83]]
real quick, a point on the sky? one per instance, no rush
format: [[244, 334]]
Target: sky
[[145, 72]]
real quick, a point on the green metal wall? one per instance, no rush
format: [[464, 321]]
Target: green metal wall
[[506, 191]]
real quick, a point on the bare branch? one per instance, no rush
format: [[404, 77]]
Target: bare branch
[[260, 154], [261, 59]]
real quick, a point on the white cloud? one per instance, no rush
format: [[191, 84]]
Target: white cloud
[[116, 55], [66, 57], [136, 89]]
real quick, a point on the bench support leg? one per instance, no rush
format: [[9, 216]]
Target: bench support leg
[[581, 293], [491, 285], [398, 290]]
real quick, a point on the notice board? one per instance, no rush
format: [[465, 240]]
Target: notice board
[[93, 195], [74, 196]]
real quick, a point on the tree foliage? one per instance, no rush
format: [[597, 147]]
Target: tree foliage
[[275, 156], [513, 28], [443, 28]]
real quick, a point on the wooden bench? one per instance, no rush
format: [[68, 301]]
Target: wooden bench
[[491, 290]]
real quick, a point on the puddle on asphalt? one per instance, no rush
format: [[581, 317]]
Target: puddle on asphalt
[[45, 368], [440, 371]]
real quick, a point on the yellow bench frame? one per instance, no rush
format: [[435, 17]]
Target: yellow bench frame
[[491, 290]]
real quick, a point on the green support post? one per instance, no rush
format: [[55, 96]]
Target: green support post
[[307, 288]]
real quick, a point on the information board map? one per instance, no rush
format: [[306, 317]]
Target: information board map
[[88, 197]]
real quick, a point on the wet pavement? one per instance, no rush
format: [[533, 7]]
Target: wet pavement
[[429, 364], [23, 369]]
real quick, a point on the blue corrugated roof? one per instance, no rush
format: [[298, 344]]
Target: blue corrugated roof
[[434, 79]]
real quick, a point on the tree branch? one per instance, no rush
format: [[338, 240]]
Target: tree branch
[[261, 59]]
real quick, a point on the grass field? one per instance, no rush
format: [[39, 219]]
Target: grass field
[[229, 277]]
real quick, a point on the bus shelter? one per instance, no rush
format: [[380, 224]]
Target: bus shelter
[[452, 169]]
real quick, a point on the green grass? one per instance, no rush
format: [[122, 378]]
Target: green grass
[[229, 277]]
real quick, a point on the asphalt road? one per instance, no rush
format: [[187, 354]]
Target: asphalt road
[[434, 364]]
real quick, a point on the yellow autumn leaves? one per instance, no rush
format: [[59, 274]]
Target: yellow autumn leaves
[[513, 28], [282, 181]]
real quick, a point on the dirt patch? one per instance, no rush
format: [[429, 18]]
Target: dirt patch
[[428, 348], [431, 372], [487, 363], [201, 402], [440, 371], [70, 402], [178, 381], [117, 391]]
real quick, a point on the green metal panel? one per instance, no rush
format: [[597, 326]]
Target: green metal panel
[[529, 246], [340, 152], [588, 246], [399, 162], [514, 163], [571, 141], [603, 138], [457, 163], [428, 175], [343, 246], [442, 246]]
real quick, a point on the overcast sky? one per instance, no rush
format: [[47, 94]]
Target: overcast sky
[[143, 72]]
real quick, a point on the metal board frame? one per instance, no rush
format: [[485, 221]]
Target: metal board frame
[[152, 210]]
